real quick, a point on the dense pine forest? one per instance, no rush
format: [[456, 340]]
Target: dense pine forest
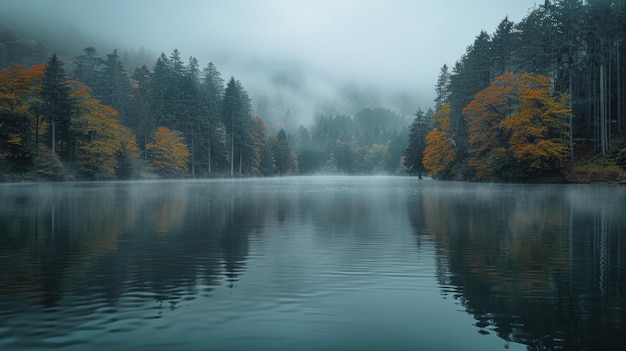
[[539, 100]]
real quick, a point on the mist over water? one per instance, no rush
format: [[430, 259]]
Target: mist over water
[[309, 263]]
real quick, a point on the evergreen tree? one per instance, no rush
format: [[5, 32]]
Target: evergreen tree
[[88, 67], [414, 153], [161, 90], [140, 118], [236, 116], [471, 74], [190, 112], [113, 88], [442, 88], [503, 43], [281, 152], [213, 94], [57, 106]]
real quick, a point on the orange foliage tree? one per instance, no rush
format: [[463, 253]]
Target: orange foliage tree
[[19, 122], [101, 139], [168, 153], [439, 154], [517, 128]]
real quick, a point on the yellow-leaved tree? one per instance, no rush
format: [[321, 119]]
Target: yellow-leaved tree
[[518, 128], [101, 140], [19, 116], [439, 154], [167, 151]]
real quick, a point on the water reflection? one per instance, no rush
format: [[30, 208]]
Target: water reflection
[[308, 263], [542, 267], [119, 245]]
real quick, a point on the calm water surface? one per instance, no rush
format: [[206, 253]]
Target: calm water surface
[[312, 263]]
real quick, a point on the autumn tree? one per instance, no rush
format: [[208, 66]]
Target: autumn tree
[[168, 153], [19, 122], [440, 151], [518, 128], [102, 142]]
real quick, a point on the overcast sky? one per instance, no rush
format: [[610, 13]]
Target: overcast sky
[[301, 49]]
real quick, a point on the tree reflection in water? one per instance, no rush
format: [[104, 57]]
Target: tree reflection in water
[[173, 241], [539, 268]]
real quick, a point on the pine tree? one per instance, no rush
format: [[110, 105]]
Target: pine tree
[[442, 88], [237, 117], [88, 67], [113, 88], [212, 92], [414, 153], [140, 118], [281, 151], [503, 42], [471, 74], [57, 106]]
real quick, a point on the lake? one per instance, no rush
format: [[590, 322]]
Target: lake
[[312, 263]]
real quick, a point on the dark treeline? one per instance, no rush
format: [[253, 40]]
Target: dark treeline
[[88, 117], [540, 99], [578, 46], [97, 120]]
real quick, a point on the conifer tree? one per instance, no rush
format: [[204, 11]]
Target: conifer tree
[[212, 92], [57, 106], [237, 117], [414, 153]]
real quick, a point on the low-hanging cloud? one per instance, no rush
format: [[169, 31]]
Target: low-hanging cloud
[[306, 53]]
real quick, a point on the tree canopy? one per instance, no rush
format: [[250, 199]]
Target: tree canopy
[[518, 128]]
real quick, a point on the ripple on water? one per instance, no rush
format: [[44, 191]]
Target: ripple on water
[[303, 263]]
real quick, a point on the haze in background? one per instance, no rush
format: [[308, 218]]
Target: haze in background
[[293, 56]]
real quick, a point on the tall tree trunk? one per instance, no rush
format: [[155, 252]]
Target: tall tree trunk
[[145, 142], [596, 114], [603, 115], [609, 101], [232, 148], [571, 118], [36, 134], [240, 160], [54, 135], [193, 156], [619, 89]]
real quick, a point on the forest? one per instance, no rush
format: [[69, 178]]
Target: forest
[[542, 99], [537, 100]]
